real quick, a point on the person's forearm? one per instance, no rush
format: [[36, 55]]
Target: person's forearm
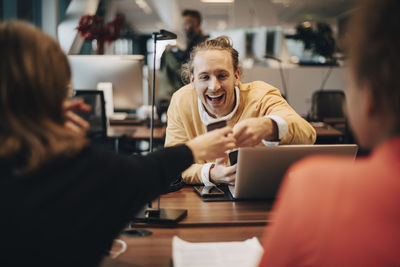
[[192, 175], [300, 132]]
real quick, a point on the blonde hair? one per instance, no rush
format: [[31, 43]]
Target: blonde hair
[[222, 43], [34, 75]]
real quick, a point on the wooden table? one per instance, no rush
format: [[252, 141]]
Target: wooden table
[[139, 131], [135, 133], [202, 213], [142, 132], [326, 133], [205, 222], [325, 130], [333, 121]]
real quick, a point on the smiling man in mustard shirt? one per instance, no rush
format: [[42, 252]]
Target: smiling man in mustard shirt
[[256, 111]]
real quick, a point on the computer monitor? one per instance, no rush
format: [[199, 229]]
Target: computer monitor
[[266, 41], [259, 42], [124, 72], [238, 37]]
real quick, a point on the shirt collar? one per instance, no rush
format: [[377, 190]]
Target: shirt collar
[[207, 119]]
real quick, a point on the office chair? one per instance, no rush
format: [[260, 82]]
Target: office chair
[[327, 104]]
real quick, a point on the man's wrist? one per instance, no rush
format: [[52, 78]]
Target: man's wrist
[[209, 173], [205, 174], [272, 133], [281, 124]]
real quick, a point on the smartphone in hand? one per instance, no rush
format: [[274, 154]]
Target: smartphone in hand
[[216, 125]]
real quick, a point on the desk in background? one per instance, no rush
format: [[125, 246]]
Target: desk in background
[[134, 133], [326, 134], [142, 132], [205, 222], [139, 132]]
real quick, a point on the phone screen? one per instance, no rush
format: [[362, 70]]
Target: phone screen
[[209, 191], [233, 155]]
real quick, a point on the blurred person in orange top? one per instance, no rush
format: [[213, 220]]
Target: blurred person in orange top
[[332, 211]]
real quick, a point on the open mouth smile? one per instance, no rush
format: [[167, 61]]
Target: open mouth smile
[[215, 99]]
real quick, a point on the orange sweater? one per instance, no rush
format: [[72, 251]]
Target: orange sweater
[[336, 212]]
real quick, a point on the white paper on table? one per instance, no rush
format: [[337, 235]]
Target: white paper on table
[[230, 254]]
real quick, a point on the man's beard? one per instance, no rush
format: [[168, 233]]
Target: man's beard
[[190, 34]]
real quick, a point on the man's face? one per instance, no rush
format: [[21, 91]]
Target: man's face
[[214, 79], [189, 25]]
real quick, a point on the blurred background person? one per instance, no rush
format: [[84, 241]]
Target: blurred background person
[[173, 57]]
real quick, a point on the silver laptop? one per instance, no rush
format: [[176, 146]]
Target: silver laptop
[[260, 169]]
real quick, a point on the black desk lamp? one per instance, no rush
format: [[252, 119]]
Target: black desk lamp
[[285, 92], [157, 215]]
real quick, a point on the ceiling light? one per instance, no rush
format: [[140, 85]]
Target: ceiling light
[[217, 1], [143, 5], [285, 3]]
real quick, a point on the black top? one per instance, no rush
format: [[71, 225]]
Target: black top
[[68, 212], [184, 55]]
